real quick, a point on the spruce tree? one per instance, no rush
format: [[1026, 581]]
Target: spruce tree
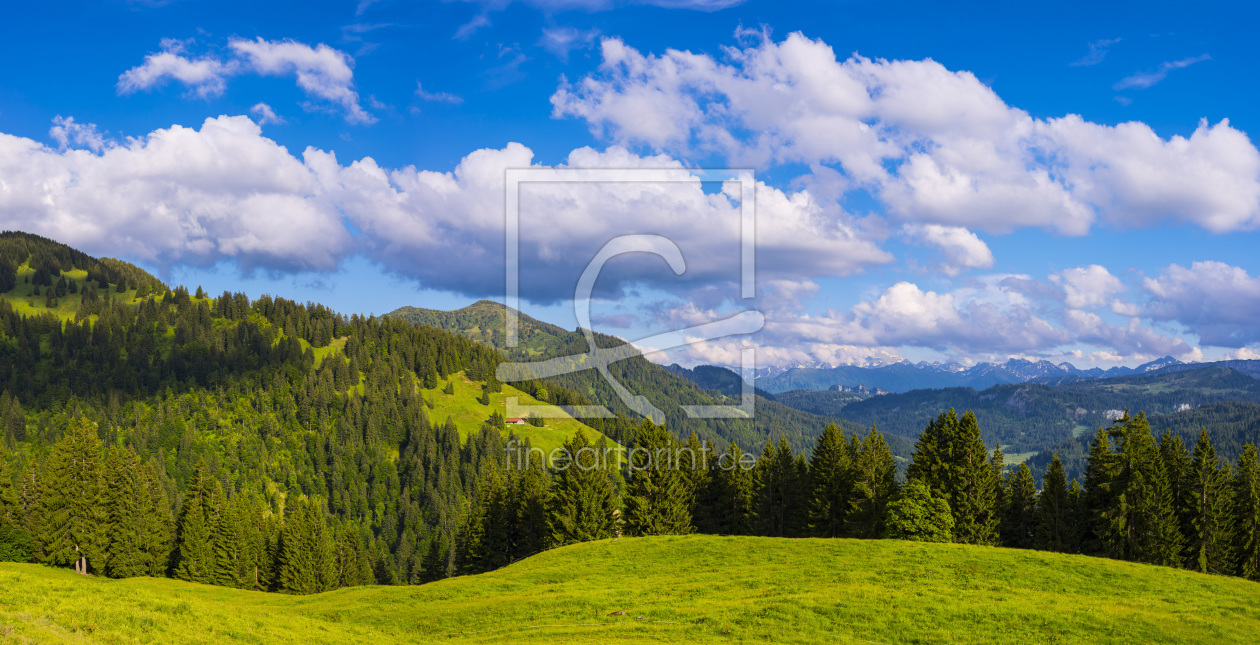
[[1054, 510], [1210, 546], [779, 491], [195, 558], [1077, 517], [1246, 511], [729, 494], [72, 517], [1148, 521], [10, 510], [1178, 467], [1019, 520], [830, 477], [307, 561], [951, 459], [15, 542], [694, 461], [229, 542], [1103, 513], [532, 489], [434, 567], [874, 485], [658, 497], [583, 500], [158, 532], [127, 502]]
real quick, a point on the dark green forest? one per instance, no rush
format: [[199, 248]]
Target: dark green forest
[[1156, 502]]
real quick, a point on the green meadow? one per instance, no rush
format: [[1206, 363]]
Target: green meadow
[[690, 589], [469, 413]]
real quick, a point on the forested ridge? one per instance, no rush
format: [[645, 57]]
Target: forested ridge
[[293, 440]]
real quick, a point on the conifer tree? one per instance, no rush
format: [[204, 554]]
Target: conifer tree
[[1147, 522], [1180, 474], [1077, 517], [307, 561], [1103, 532], [15, 542], [195, 557], [158, 530], [72, 517], [874, 485], [1019, 521], [831, 474], [951, 459], [916, 515], [229, 544], [1210, 546], [583, 500], [1055, 524], [658, 495], [694, 461], [1246, 511], [434, 561], [127, 501], [532, 489], [779, 491], [729, 494], [10, 511]]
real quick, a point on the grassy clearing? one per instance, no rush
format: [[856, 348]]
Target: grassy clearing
[[321, 353], [686, 589], [469, 413], [23, 302]]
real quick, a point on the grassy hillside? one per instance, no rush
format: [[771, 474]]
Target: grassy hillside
[[673, 589], [469, 413]]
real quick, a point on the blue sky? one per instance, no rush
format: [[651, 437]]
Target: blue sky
[[934, 199]]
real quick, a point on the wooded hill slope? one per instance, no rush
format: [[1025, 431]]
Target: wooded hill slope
[[484, 322], [240, 410]]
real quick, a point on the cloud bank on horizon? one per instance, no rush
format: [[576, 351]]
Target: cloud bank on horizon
[[901, 166]]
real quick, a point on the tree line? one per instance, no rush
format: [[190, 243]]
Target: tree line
[[1142, 500]]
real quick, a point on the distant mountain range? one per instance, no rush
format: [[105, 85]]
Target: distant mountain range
[[905, 376]]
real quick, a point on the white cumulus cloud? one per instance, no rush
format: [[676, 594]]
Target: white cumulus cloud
[[960, 248], [934, 145], [1088, 287], [322, 72]]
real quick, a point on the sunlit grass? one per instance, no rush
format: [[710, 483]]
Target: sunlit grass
[[674, 589], [468, 413]]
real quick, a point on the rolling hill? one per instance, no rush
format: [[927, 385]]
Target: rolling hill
[[723, 590]]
